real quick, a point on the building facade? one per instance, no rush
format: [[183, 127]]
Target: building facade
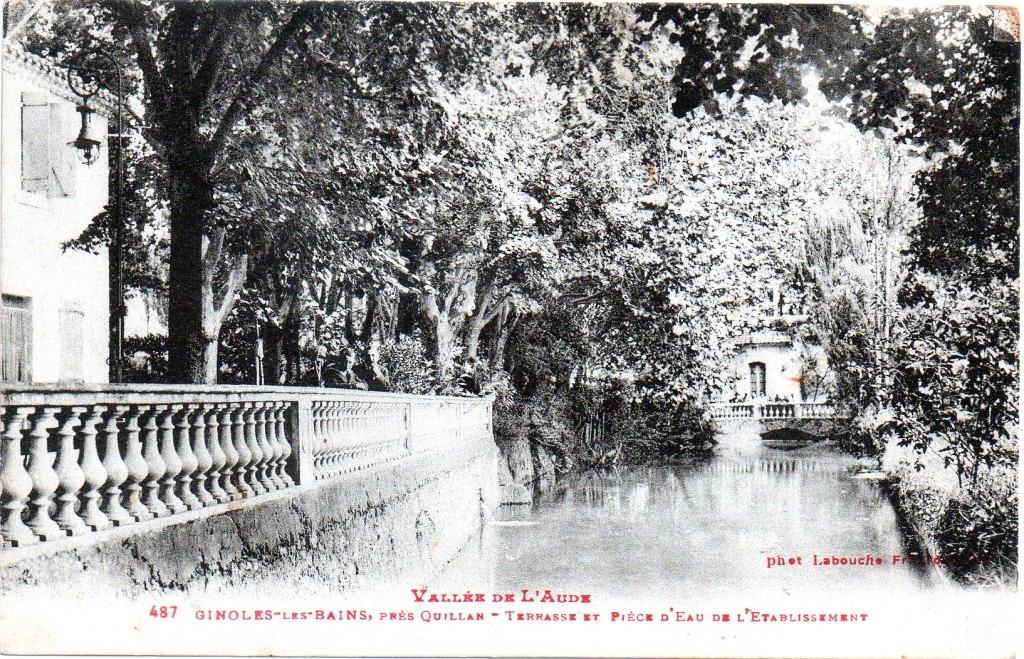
[[767, 365], [771, 365], [55, 300]]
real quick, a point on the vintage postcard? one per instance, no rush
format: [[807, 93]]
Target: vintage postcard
[[509, 329]]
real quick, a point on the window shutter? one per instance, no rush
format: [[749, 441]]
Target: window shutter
[[61, 181], [16, 337], [758, 374], [35, 142]]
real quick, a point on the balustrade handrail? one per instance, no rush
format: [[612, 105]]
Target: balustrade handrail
[[81, 458], [775, 409], [78, 389]]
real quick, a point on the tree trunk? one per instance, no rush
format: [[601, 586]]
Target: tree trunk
[[367, 333], [481, 316], [290, 331], [504, 331], [190, 200], [350, 322], [273, 347], [444, 350], [210, 360]]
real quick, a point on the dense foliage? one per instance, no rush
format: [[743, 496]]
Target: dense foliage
[[946, 87], [577, 208]]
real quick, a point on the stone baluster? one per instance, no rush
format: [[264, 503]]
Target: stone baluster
[[189, 462], [341, 432], [227, 442], [155, 465], [251, 441], [70, 475], [241, 474], [340, 422], [370, 437], [372, 432], [44, 477], [330, 437], [172, 461], [138, 468], [266, 450], [353, 417], [15, 482], [316, 447], [218, 456], [331, 445], [117, 470], [342, 435], [281, 420], [347, 434], [274, 463], [204, 459], [316, 411], [95, 473], [314, 444], [323, 446]]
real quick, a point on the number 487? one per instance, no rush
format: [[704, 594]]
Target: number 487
[[163, 612]]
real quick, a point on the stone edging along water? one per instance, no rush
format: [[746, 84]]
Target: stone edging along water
[[405, 519]]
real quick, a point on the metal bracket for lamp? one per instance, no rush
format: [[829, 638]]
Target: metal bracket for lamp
[[85, 86], [83, 79]]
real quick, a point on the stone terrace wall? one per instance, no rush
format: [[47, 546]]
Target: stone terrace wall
[[396, 523]]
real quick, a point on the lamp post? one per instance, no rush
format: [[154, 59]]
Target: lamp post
[[82, 79]]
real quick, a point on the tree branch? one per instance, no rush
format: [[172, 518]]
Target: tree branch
[[239, 104], [583, 299], [209, 71], [211, 255], [453, 292], [499, 308], [428, 300], [235, 280], [133, 16], [486, 299]]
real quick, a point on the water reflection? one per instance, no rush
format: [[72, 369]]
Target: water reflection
[[707, 528]]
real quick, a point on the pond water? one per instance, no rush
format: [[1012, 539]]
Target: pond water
[[756, 520], [667, 544]]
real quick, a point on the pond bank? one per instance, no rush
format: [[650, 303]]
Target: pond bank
[[966, 529]]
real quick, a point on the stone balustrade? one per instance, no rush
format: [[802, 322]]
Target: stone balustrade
[[816, 411], [75, 460], [779, 410], [732, 411]]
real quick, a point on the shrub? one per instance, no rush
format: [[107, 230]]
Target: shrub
[[977, 534], [410, 369], [145, 359]]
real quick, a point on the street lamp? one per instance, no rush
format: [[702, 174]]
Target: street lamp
[[83, 81], [88, 141]]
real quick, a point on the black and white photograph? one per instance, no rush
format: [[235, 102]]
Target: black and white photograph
[[525, 329]]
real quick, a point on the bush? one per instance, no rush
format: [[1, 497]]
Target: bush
[[977, 534], [145, 359], [410, 369]]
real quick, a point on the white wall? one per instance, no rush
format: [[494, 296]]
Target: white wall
[[35, 225], [142, 317], [782, 370]]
